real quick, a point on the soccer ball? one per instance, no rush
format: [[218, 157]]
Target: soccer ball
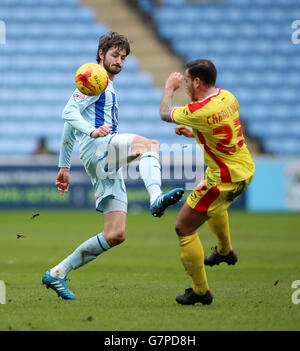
[[91, 79]]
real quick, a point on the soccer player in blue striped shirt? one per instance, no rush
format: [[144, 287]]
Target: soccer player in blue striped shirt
[[93, 122]]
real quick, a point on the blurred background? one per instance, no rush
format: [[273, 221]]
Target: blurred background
[[255, 45]]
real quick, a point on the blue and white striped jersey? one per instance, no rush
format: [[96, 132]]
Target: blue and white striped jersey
[[83, 114]]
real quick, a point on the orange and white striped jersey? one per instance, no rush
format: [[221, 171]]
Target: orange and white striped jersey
[[217, 128]]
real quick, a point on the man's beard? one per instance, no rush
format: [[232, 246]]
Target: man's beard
[[191, 94], [112, 70]]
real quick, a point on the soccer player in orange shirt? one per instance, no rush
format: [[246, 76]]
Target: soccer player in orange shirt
[[212, 118]]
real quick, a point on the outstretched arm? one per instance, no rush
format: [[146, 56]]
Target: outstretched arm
[[166, 106]]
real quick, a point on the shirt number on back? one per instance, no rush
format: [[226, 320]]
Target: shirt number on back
[[226, 130]]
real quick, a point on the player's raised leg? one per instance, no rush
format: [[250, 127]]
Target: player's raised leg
[[150, 171], [192, 256], [149, 164], [125, 148]]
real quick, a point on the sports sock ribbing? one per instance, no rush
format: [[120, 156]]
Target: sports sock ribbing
[[220, 227], [192, 257], [150, 172], [86, 252]]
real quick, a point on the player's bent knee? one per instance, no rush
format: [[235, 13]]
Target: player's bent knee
[[179, 229], [115, 238], [184, 229], [150, 145], [154, 145], [141, 145]]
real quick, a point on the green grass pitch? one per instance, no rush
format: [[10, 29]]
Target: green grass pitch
[[133, 286]]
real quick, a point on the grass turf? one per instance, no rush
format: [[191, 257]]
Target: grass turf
[[133, 286]]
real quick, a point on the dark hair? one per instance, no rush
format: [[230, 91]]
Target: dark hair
[[113, 39], [203, 69]]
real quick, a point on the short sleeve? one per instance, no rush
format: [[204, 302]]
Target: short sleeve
[[183, 115]]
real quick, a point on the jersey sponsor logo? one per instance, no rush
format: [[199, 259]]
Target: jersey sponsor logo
[[193, 195], [77, 96], [99, 196]]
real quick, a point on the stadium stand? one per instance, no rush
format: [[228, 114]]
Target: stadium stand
[[250, 43], [45, 44], [251, 46]]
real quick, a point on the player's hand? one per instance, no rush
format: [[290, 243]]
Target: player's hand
[[174, 81], [63, 180], [184, 130], [101, 132]]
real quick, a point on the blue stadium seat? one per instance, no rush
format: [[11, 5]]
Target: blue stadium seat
[[274, 129], [250, 43], [34, 3], [281, 146], [47, 14], [248, 40], [57, 31], [23, 146], [38, 73]]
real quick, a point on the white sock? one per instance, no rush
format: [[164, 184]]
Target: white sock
[[154, 191], [150, 172], [58, 272], [86, 252]]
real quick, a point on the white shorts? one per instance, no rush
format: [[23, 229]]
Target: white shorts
[[111, 204], [103, 163]]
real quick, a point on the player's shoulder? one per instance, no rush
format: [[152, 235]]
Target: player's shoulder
[[79, 97], [228, 97], [110, 87], [204, 104], [225, 92], [225, 98]]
